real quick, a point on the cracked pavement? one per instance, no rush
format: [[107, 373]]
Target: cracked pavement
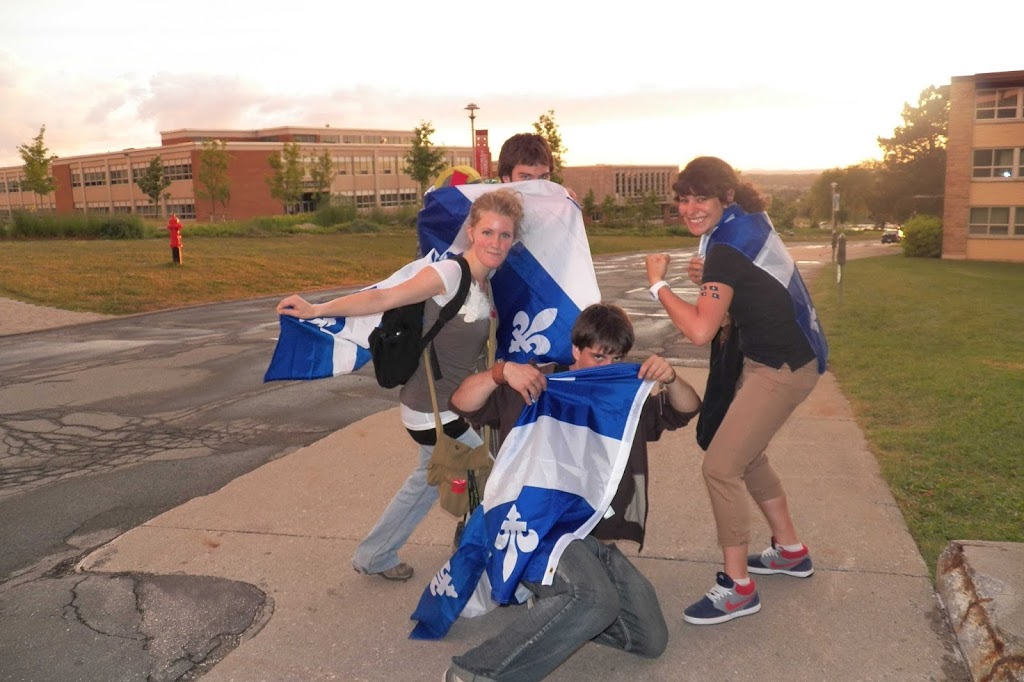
[[157, 628], [107, 424]]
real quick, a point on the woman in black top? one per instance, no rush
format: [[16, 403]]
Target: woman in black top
[[747, 278]]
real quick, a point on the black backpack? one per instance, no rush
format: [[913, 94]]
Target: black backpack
[[398, 342]]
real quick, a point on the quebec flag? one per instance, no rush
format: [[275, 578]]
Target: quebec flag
[[754, 236], [547, 279], [553, 480]]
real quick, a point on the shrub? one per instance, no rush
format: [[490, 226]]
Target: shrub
[[360, 225], [922, 237], [335, 212], [119, 226], [32, 225]]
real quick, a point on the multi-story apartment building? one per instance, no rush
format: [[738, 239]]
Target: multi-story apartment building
[[984, 196], [368, 166]]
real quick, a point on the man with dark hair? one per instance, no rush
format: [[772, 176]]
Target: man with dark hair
[[525, 156], [597, 594]]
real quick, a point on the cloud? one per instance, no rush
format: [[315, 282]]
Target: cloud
[[649, 127]]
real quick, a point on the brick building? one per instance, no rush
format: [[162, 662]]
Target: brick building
[[984, 195], [367, 167], [624, 184]]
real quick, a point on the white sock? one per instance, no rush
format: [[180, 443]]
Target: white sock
[[793, 548], [743, 582]]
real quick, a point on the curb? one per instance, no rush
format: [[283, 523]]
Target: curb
[[982, 608]]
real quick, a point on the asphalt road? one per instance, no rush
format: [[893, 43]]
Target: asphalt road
[[106, 425]]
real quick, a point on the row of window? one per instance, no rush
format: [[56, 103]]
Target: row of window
[[1001, 103], [367, 198], [182, 210], [998, 163], [641, 183], [369, 138], [98, 176], [996, 221]]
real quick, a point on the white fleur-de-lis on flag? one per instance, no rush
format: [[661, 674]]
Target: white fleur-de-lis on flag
[[526, 335], [516, 537], [441, 583], [323, 322]]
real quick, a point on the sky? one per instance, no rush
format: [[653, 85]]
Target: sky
[[790, 85]]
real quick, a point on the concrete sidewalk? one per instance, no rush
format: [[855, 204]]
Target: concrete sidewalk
[[290, 527]]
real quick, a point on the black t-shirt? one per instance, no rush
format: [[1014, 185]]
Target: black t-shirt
[[504, 406], [761, 309]]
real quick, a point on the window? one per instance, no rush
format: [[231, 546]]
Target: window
[[343, 164], [409, 196], [389, 197], [998, 104], [119, 176], [94, 177], [994, 163], [330, 139], [182, 210], [180, 169], [386, 165], [363, 165], [304, 138], [13, 186], [989, 220], [352, 139], [366, 198]]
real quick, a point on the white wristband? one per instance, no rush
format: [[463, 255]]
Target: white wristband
[[656, 287]]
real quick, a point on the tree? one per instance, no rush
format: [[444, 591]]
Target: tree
[[321, 174], [608, 209], [152, 182], [285, 182], [589, 206], [546, 127], [37, 160], [650, 208], [915, 156], [423, 162], [212, 180]]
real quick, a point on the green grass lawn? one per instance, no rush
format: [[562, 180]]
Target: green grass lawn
[[131, 276], [930, 354]]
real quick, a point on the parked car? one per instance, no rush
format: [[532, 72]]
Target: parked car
[[892, 236]]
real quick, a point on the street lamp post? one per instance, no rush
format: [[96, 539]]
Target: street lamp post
[[131, 184], [835, 208], [471, 108]]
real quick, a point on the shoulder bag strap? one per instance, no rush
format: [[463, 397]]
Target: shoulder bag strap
[[451, 307]]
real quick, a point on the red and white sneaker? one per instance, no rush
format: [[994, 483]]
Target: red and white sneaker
[[775, 559]]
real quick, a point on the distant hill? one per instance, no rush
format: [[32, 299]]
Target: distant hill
[[775, 181]]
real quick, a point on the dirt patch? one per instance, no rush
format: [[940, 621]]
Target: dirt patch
[[17, 317]]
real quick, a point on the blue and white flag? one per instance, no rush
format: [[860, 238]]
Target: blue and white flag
[[547, 279], [753, 235], [553, 480]]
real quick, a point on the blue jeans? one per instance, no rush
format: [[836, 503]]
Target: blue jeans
[[597, 595], [379, 551]]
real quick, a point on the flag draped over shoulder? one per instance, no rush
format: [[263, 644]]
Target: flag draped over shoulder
[[547, 279], [553, 480], [753, 235]]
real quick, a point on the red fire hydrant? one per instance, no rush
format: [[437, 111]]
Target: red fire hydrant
[[174, 227]]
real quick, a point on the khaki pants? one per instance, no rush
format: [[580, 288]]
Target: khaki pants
[[736, 460]]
